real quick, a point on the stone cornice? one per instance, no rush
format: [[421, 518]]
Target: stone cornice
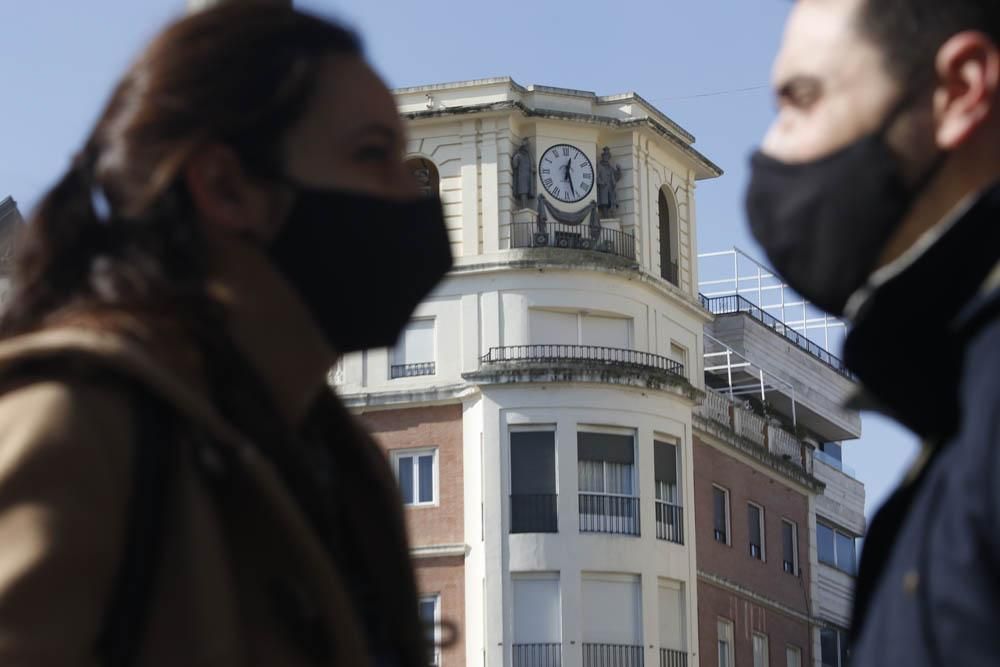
[[733, 587], [756, 452], [542, 259], [705, 167]]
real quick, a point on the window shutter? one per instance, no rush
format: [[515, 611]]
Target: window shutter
[[606, 447], [532, 462]]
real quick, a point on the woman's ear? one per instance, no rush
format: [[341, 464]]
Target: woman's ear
[[226, 198]]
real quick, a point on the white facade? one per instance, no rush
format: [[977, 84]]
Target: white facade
[[579, 589]]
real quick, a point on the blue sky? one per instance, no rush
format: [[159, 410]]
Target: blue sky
[[59, 59]]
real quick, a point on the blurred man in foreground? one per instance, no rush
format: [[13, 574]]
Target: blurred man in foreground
[[876, 195]]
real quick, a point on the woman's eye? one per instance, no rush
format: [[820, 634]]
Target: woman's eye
[[372, 153]]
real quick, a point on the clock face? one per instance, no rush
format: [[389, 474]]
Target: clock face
[[566, 172]]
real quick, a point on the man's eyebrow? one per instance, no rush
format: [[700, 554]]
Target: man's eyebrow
[[797, 85]]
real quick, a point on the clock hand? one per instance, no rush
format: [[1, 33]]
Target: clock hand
[[569, 179]]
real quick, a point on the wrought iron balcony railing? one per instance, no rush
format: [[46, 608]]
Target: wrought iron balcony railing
[[572, 237], [673, 658], [534, 513], [618, 515], [537, 655], [612, 655], [669, 522], [732, 304], [412, 370], [611, 356]]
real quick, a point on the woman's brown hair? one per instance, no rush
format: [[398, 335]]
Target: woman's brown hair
[[118, 228]]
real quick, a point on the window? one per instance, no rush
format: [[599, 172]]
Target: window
[[755, 518], [834, 651], [416, 471], [554, 327], [414, 352], [846, 555], [533, 482], [836, 548], [425, 174], [793, 656], [430, 618], [611, 609], [789, 547], [760, 652], [725, 631], [606, 470], [832, 449], [669, 516], [673, 633], [720, 498], [668, 249], [680, 354], [537, 614]]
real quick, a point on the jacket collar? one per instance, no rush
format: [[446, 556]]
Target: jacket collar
[[908, 340], [271, 326], [265, 319]]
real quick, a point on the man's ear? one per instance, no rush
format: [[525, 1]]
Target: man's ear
[[968, 70], [224, 195]]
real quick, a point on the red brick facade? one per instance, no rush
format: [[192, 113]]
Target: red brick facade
[[780, 499], [442, 523], [446, 577], [747, 617]]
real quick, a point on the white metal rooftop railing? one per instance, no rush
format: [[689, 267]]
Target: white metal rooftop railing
[[735, 273]]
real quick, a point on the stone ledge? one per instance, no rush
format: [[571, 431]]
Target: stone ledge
[[440, 551], [758, 453], [739, 589], [414, 397], [583, 371]]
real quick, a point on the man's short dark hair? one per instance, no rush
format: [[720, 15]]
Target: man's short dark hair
[[910, 32]]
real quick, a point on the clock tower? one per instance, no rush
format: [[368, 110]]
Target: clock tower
[[538, 410]]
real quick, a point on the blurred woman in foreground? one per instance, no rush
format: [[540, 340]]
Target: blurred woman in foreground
[[178, 484]]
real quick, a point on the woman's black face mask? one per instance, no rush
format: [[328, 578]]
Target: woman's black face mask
[[361, 263]]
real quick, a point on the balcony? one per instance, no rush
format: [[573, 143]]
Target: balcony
[[617, 515], [572, 237], [669, 522], [734, 304], [754, 428], [534, 513], [397, 371], [610, 356], [612, 655], [537, 655], [673, 658]]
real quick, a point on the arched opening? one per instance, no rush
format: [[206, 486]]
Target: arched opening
[[668, 241], [425, 173]]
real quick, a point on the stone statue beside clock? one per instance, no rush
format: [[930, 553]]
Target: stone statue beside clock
[[567, 175], [608, 176]]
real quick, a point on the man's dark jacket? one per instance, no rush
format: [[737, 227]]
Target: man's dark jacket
[[926, 347]]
